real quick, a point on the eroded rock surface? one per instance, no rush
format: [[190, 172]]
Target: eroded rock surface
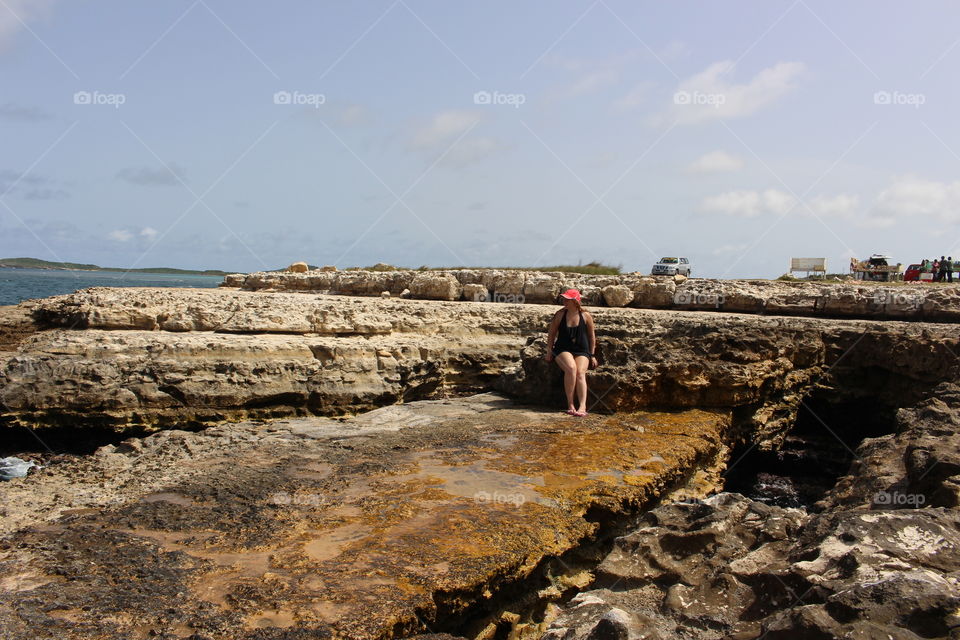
[[917, 466], [831, 299], [405, 519], [867, 565], [763, 367], [16, 324]]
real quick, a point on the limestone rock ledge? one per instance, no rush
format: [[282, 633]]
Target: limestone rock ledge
[[761, 367], [879, 300], [175, 357], [125, 357]]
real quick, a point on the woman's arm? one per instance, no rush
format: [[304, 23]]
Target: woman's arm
[[591, 335], [551, 336]]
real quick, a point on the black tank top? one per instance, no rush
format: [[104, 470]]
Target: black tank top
[[573, 339]]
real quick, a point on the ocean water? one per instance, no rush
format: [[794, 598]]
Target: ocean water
[[17, 285]]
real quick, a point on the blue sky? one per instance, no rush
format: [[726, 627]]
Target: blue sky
[[244, 136]]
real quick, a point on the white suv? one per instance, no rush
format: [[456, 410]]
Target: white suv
[[672, 267]]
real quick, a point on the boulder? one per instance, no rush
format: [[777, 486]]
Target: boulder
[[617, 295], [233, 280], [429, 285], [476, 293], [543, 288], [298, 267], [506, 286], [653, 293]]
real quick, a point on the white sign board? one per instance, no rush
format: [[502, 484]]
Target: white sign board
[[808, 264]]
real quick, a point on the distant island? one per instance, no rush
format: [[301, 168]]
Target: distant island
[[35, 263]]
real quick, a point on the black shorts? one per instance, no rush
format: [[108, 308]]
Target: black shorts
[[573, 353]]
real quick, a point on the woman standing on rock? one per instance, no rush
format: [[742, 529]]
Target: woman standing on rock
[[571, 342]]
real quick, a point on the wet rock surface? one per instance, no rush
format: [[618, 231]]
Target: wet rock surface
[[404, 519]]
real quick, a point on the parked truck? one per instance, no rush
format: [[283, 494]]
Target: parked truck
[[876, 268]]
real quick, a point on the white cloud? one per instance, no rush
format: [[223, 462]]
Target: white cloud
[[876, 222], [841, 205], [354, 115], [120, 235], [470, 150], [711, 94], [18, 112], [163, 176], [590, 76], [443, 128], [716, 162], [148, 232], [591, 83], [727, 249], [746, 203], [443, 131], [618, 60], [674, 50], [13, 13], [913, 196], [635, 98]]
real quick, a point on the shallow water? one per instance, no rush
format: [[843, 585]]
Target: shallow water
[[17, 285]]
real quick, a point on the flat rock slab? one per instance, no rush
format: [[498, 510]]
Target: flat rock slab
[[382, 525]]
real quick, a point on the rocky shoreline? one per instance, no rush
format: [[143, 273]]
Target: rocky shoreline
[[339, 476]]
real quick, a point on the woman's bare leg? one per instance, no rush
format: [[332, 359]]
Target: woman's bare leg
[[566, 362], [583, 364]]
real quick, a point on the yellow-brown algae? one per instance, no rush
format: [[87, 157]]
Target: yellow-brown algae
[[368, 541]]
